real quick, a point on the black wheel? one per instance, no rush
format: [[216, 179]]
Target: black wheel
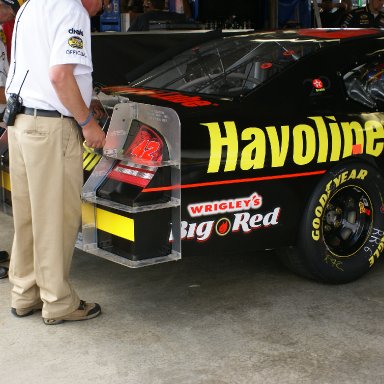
[[342, 231]]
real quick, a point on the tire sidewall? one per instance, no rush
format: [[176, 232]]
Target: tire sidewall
[[317, 257]]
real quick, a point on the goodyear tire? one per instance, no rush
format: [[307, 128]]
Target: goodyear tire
[[342, 232]]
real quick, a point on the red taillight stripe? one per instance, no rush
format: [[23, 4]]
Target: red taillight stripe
[[128, 179], [131, 175], [235, 181], [135, 168]]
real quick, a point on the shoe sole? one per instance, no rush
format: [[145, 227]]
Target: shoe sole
[[31, 312], [60, 321]]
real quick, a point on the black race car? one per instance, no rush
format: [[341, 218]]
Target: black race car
[[251, 141]]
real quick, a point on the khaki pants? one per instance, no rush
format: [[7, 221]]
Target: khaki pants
[[46, 181]]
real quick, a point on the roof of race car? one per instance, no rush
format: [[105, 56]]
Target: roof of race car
[[132, 55], [234, 65]]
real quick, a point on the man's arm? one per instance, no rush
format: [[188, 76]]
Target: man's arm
[[68, 92]]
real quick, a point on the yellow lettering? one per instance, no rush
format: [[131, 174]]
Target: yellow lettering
[[318, 211], [316, 223], [353, 134], [323, 138], [316, 235], [217, 144], [336, 139], [326, 140], [279, 150], [323, 199], [344, 177], [374, 131], [328, 188], [336, 180], [371, 261], [362, 174], [352, 175], [304, 141], [253, 155]]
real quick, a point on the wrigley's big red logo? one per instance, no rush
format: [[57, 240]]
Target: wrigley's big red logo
[[243, 222]]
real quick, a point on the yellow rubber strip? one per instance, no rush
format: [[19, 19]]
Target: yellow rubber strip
[[115, 224], [5, 181]]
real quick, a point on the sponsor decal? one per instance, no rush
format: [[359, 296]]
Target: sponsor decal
[[74, 31], [323, 139], [224, 206], [240, 222], [318, 85], [323, 200], [223, 226], [75, 42], [146, 150], [363, 210], [171, 96]]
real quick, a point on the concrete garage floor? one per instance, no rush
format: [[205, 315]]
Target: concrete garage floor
[[243, 319]]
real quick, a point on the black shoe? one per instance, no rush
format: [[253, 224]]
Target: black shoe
[[4, 256], [3, 272]]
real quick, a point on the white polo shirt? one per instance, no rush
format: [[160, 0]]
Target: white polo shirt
[[50, 32]]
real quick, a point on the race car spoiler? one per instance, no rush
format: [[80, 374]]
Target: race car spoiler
[[120, 222]]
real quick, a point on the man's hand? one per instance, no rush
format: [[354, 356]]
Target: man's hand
[[93, 135]]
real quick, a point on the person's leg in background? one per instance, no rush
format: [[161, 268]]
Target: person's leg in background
[[3, 270]]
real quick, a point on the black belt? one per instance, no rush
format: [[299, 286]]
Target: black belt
[[41, 112]]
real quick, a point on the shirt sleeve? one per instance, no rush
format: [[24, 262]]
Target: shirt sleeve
[[72, 42]]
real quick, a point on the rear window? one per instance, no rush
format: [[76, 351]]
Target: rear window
[[230, 66]]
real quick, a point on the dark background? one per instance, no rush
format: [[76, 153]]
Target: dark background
[[254, 10]]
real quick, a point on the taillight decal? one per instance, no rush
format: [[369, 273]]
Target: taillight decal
[[146, 146], [146, 150], [131, 175]]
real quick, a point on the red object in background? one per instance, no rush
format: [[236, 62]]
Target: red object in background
[[337, 33], [8, 31]]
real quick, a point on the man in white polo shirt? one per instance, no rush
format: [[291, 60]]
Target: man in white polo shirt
[[51, 70]]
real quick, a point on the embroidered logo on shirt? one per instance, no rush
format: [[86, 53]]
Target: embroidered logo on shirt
[[75, 42]]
